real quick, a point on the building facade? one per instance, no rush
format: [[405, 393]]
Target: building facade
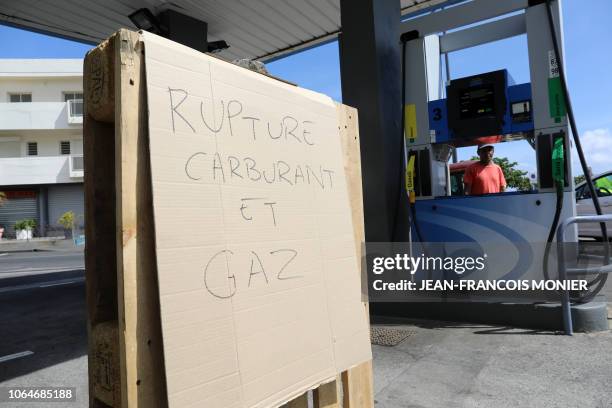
[[41, 142]]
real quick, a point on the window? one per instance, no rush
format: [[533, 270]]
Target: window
[[72, 96], [581, 194], [20, 97], [603, 186], [32, 149], [75, 103], [65, 147], [457, 183]]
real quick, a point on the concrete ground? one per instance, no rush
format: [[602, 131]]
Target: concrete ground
[[464, 365], [43, 339], [43, 342]]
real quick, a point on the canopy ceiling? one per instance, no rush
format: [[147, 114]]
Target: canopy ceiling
[[261, 29]]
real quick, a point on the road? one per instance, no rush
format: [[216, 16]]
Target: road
[[43, 321], [44, 335], [13, 264]]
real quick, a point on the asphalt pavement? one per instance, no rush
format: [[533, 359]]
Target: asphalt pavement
[[44, 337], [43, 341], [16, 264]]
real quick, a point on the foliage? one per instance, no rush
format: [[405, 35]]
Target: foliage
[[67, 220], [579, 179], [27, 224], [515, 178], [2, 197]]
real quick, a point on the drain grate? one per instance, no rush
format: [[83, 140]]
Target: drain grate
[[389, 336]]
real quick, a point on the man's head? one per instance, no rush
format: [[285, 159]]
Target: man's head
[[485, 152]]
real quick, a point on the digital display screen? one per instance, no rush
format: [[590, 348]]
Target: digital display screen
[[520, 107], [477, 102], [521, 112]]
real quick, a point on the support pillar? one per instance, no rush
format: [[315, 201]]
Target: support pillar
[[371, 82]]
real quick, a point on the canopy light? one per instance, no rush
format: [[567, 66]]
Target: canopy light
[[145, 20], [177, 27], [217, 46]]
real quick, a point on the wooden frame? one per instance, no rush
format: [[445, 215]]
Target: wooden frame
[[126, 365]]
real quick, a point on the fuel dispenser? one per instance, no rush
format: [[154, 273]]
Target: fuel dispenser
[[487, 108]]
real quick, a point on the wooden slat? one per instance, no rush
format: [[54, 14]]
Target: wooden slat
[[327, 395], [99, 184], [100, 248], [349, 138], [299, 402], [358, 386], [99, 82], [357, 383], [105, 378], [143, 380]]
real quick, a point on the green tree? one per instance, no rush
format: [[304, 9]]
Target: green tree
[[579, 179], [2, 197], [67, 220], [515, 178]]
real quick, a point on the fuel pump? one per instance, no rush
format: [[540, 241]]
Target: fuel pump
[[487, 108], [600, 280]]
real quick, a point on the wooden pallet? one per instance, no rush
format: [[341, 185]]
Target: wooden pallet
[[126, 367]]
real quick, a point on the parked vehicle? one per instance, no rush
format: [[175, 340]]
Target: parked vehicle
[[584, 204], [457, 170]]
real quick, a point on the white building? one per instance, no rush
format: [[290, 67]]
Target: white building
[[41, 141]]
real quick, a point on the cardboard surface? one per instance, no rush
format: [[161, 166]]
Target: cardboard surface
[[259, 283]]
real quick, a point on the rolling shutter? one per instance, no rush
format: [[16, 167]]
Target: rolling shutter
[[15, 209], [66, 198]]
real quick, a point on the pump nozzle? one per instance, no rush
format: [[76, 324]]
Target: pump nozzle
[[410, 179], [558, 163]]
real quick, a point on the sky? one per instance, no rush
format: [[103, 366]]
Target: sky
[[588, 58]]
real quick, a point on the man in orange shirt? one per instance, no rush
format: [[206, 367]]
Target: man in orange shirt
[[484, 176]]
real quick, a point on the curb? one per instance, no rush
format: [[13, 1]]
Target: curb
[[51, 244], [2, 251]]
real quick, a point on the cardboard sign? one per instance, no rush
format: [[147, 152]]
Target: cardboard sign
[[258, 277]]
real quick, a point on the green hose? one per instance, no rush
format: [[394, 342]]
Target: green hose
[[558, 164]]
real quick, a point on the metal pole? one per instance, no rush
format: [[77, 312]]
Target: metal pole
[[565, 300], [566, 310]]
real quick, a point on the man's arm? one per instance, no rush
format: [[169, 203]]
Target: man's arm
[[467, 188], [468, 178], [502, 180]]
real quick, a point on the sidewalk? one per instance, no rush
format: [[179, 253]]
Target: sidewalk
[[39, 244], [444, 364]]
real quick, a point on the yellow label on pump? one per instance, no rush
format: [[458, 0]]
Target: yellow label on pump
[[410, 174], [410, 123]]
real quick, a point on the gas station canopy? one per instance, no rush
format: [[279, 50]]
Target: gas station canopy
[[262, 29]]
